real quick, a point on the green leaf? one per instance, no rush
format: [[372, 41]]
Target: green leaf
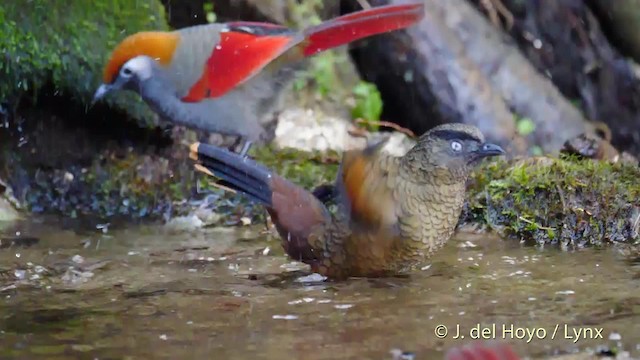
[[525, 126], [368, 102]]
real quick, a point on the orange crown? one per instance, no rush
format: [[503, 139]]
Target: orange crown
[[158, 45]]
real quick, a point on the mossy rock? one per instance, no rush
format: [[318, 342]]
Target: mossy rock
[[63, 45], [549, 200], [114, 186], [307, 169]]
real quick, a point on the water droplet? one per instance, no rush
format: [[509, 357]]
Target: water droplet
[[285, 317], [537, 43], [614, 336], [565, 292], [343, 306], [20, 274]]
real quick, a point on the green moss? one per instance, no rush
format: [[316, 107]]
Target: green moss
[[307, 169], [64, 45], [567, 201]]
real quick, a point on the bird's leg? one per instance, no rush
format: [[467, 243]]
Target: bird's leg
[[245, 148]]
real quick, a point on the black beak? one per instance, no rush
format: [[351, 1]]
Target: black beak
[[488, 149]]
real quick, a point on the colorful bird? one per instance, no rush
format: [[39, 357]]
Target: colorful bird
[[223, 77], [394, 212]]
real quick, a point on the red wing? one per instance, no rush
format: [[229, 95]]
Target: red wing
[[242, 52]]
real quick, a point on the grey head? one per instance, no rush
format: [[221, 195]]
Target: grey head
[[141, 75]]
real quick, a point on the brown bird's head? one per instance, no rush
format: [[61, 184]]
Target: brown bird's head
[[449, 152]]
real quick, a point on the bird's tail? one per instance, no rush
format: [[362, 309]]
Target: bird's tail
[[237, 173], [351, 27], [295, 212]]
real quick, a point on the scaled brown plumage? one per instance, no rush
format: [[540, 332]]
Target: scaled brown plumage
[[394, 212]]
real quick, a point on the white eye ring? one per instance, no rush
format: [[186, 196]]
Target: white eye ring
[[456, 146]]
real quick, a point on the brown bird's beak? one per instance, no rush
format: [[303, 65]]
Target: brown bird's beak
[[489, 149], [102, 91]]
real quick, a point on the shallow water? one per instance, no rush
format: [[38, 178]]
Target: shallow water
[[151, 292]]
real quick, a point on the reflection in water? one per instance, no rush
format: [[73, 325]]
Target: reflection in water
[[148, 292]]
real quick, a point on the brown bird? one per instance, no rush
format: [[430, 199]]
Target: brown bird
[[393, 211]]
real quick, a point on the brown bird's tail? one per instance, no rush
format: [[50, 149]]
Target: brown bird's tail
[[351, 27], [296, 212]]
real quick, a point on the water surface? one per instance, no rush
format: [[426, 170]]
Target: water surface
[[151, 292]]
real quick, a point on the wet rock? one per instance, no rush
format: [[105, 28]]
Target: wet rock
[[565, 41], [76, 165], [597, 147], [65, 58], [440, 71], [573, 203], [312, 130], [189, 222], [80, 270], [311, 278]]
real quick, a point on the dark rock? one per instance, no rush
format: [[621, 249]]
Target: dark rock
[[563, 39], [454, 66]]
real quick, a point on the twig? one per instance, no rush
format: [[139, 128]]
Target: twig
[[495, 7], [491, 11], [574, 22], [389, 125], [534, 223], [561, 193], [267, 219], [357, 132], [635, 224]]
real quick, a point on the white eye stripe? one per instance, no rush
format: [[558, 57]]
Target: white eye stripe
[[141, 66], [456, 146]]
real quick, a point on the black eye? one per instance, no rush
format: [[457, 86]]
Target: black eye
[[126, 71], [456, 146]]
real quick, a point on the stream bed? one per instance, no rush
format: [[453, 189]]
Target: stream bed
[[144, 291]]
